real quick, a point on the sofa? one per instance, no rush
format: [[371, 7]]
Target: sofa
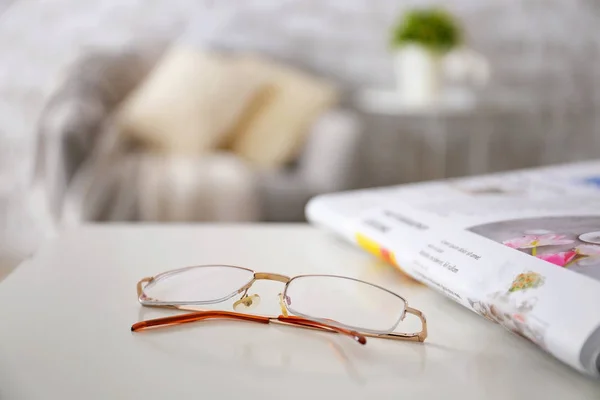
[[88, 170]]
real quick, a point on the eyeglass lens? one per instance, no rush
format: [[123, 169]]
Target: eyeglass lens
[[352, 303]]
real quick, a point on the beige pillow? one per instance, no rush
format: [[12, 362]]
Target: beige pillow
[[275, 127], [189, 102]]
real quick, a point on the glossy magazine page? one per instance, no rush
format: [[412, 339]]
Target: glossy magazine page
[[520, 248]]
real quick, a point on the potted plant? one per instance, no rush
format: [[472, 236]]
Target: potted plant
[[420, 39]]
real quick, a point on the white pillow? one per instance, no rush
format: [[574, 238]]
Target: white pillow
[[274, 130], [189, 102]]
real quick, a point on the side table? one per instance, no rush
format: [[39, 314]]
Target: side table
[[456, 137], [66, 315]]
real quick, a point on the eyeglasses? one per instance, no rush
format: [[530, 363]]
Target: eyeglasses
[[331, 303]]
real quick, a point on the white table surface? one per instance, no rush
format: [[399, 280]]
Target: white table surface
[[65, 319]]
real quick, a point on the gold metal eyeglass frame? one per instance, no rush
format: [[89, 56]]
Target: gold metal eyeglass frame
[[196, 314]]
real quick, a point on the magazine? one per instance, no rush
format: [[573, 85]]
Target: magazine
[[521, 248]]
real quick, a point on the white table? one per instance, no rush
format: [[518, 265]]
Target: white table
[[65, 320]]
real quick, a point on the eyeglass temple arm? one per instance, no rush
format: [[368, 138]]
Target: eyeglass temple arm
[[421, 336], [204, 315], [413, 337], [194, 317], [306, 323]]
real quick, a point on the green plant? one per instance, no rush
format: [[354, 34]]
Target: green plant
[[435, 29]]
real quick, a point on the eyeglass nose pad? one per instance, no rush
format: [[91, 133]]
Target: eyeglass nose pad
[[247, 303], [282, 305]]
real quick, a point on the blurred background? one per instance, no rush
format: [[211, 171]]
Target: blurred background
[[229, 111]]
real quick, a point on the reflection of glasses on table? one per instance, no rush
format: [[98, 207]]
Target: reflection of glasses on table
[[324, 302]]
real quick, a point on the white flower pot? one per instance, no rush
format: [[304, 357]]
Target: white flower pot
[[418, 74]]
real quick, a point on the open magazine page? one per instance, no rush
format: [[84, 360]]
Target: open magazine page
[[521, 249]]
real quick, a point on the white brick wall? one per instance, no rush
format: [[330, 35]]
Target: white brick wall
[[547, 49]]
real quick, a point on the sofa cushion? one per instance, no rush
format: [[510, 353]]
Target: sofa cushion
[[273, 131], [189, 102]]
